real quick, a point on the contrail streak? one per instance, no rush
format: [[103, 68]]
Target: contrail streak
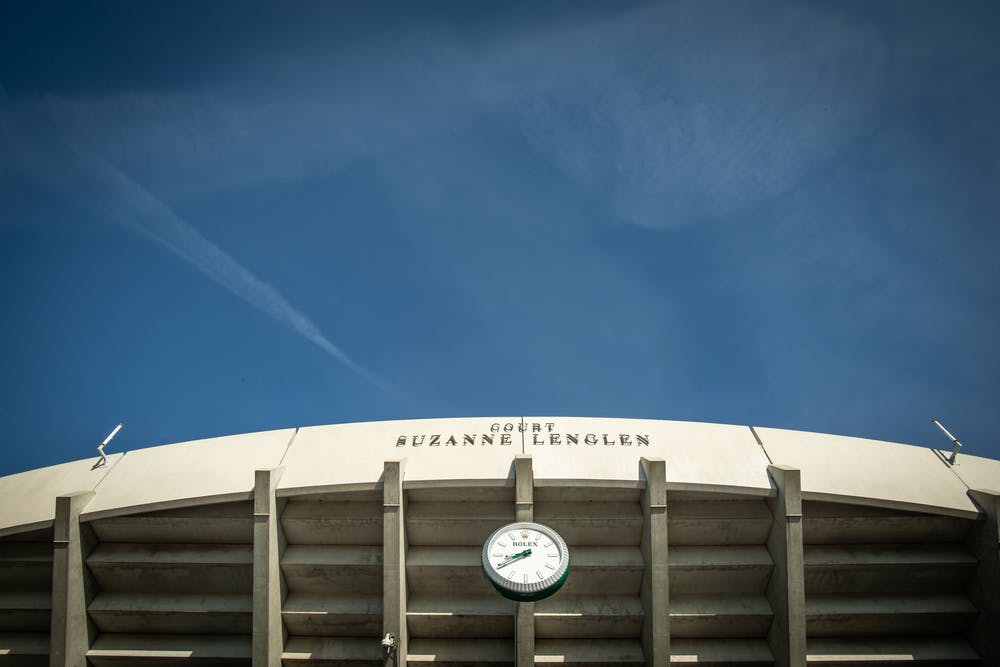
[[34, 147], [132, 204]]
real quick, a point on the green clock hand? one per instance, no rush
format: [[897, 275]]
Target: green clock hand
[[510, 559]]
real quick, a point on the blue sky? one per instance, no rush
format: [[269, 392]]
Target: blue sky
[[227, 217]]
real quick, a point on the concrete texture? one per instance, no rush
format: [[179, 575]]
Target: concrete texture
[[29, 497], [886, 474], [700, 456], [976, 472], [219, 469], [72, 588], [394, 562], [984, 589], [524, 621], [786, 587], [268, 635], [316, 459], [711, 457], [189, 561], [655, 593]]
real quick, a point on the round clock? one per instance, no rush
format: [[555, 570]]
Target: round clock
[[525, 561]]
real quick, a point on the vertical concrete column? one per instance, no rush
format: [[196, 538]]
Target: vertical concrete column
[[786, 589], [984, 589], [655, 593], [72, 584], [524, 488], [394, 561], [524, 504], [268, 584]]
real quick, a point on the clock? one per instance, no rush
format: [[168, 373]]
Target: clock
[[525, 561]]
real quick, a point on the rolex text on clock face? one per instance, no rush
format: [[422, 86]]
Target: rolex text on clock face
[[525, 561]]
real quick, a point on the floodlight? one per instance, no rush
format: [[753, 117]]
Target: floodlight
[[954, 440]]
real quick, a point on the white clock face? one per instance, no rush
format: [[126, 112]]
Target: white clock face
[[525, 561]]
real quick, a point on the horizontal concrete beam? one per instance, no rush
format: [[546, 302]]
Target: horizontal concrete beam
[[165, 602], [22, 600], [832, 616], [312, 602], [165, 555], [464, 651], [345, 623], [572, 616], [718, 652], [719, 522], [891, 555], [589, 652], [332, 651], [223, 523], [332, 555], [889, 651], [461, 615], [175, 622], [835, 523], [828, 605], [16, 644], [136, 647], [458, 624], [332, 522]]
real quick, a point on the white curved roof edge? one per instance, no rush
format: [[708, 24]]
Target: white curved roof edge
[[886, 474], [565, 450]]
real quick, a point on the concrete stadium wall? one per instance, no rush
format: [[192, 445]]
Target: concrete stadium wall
[[691, 542]]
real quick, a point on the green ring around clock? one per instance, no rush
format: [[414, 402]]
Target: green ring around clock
[[528, 597]]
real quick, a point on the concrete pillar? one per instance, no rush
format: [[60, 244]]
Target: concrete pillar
[[786, 589], [655, 593], [984, 589], [268, 584], [394, 561], [524, 489], [524, 504], [72, 584]]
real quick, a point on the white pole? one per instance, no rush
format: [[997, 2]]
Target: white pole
[[104, 443]]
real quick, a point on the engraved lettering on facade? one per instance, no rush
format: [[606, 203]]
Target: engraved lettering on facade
[[542, 434]]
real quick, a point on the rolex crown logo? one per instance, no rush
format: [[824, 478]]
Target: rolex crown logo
[[524, 534]]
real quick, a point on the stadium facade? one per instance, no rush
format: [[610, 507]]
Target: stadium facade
[[689, 543]]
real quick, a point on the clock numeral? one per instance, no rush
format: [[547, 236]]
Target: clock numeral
[[553, 555], [503, 544], [551, 567], [525, 578], [547, 545], [538, 574]]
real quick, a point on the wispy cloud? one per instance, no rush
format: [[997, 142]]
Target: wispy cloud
[[625, 103], [678, 113], [679, 129], [144, 212]]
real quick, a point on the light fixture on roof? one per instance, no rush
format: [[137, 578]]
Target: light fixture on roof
[[954, 441], [100, 447]]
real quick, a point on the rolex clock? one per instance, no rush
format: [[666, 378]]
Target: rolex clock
[[525, 561]]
